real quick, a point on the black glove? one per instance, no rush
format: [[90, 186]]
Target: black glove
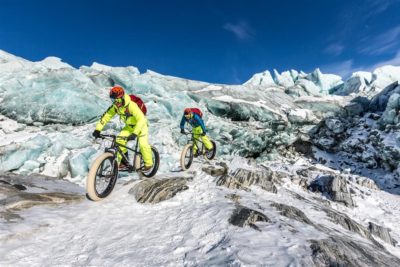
[[132, 137], [183, 131], [96, 134], [203, 134]]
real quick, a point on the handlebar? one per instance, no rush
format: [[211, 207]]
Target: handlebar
[[102, 136], [113, 136]]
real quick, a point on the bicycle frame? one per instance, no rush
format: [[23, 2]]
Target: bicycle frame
[[116, 148], [194, 141]]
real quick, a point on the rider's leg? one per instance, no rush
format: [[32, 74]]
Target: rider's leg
[[197, 135], [207, 143], [145, 148], [125, 132]]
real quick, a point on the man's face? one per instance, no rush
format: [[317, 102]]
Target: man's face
[[118, 102], [188, 115]]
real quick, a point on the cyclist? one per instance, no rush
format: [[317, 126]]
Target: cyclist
[[198, 127], [135, 125]]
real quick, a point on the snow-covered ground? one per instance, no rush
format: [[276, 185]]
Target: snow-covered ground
[[190, 229]]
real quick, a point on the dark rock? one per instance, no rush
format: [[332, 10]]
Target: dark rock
[[244, 216], [20, 187], [379, 102], [303, 172], [381, 232], [391, 156], [18, 192], [342, 251], [347, 223], [215, 170], [233, 197], [335, 187], [303, 147], [243, 179], [154, 190], [292, 213], [335, 125], [374, 116]]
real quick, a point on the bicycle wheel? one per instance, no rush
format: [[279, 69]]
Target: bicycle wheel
[[102, 177], [139, 164], [210, 154], [187, 157]]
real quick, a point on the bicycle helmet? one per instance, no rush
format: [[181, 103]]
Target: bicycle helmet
[[117, 92]]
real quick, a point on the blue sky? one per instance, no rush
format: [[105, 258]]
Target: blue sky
[[214, 41]]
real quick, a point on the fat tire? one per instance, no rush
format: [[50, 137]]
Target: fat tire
[[92, 194], [187, 149], [156, 164], [214, 152]]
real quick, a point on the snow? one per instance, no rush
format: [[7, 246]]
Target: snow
[[210, 88], [191, 229], [54, 63]]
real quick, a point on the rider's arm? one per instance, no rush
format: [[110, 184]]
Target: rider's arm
[[135, 111], [200, 122], [183, 121], [110, 112]]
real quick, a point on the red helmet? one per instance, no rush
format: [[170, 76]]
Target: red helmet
[[187, 111], [117, 92]]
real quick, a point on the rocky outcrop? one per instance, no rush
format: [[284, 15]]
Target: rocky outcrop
[[342, 251], [243, 216], [153, 190], [19, 192], [216, 170], [347, 223], [335, 187], [243, 179], [292, 213], [381, 232]]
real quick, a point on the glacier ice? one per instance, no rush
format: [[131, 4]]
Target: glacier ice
[[391, 115], [305, 86], [325, 82], [62, 96], [14, 156], [103, 75], [383, 76], [79, 163], [261, 79], [284, 79]]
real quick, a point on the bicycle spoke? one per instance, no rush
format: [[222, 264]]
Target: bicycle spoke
[[104, 176]]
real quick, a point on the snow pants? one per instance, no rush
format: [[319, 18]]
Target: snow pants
[[143, 138], [197, 135]]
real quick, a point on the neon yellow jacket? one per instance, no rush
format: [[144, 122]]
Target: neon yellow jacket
[[130, 114]]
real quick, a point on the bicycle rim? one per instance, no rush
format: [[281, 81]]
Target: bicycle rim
[[106, 177]]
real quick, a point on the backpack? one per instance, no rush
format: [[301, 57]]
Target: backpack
[[197, 111], [139, 102]]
